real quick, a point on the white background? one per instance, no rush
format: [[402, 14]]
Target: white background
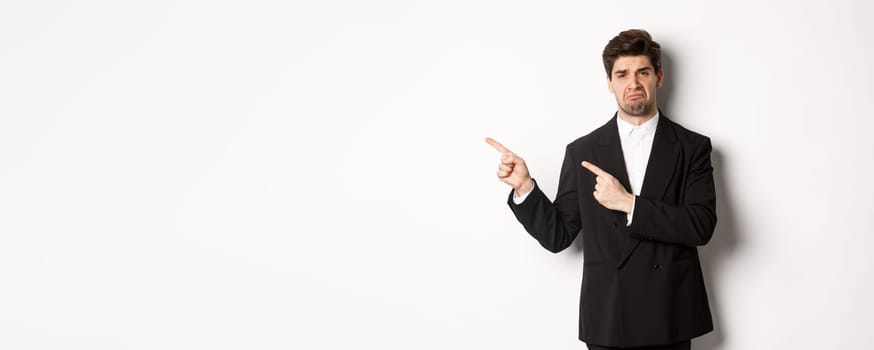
[[312, 175]]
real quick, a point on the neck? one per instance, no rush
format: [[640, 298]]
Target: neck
[[636, 120]]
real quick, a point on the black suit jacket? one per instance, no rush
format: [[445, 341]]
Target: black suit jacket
[[642, 284]]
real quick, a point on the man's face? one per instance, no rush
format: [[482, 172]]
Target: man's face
[[634, 82]]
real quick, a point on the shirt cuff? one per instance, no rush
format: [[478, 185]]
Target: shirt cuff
[[631, 214], [518, 199]]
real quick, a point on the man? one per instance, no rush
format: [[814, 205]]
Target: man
[[640, 191]]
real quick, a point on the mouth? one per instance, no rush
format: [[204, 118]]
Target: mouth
[[634, 96]]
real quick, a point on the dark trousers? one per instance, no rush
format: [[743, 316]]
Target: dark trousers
[[685, 345]]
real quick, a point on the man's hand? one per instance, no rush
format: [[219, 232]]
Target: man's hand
[[512, 169], [608, 191]]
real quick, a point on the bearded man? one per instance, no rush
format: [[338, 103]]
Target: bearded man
[[639, 191]]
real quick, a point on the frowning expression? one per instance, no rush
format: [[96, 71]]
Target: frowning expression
[[633, 82]]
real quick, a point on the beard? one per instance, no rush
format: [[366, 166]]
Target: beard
[[638, 108]]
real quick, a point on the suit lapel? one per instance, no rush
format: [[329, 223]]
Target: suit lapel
[[662, 161], [609, 156], [659, 171]]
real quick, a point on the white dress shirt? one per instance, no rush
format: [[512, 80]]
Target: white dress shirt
[[636, 146]]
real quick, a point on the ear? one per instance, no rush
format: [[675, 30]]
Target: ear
[[609, 85], [661, 78]]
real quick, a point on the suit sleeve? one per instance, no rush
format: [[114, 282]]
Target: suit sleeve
[[554, 225], [691, 223]]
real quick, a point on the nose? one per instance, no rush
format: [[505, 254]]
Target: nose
[[634, 84], [635, 81]]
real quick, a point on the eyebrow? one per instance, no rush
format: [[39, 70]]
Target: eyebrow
[[624, 71]]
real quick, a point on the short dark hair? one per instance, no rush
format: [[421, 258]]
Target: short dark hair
[[632, 42]]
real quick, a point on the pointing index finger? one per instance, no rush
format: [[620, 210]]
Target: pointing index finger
[[594, 169], [497, 145]]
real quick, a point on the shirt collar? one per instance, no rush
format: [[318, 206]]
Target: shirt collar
[[625, 128]]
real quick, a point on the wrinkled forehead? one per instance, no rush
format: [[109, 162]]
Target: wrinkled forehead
[[631, 63]]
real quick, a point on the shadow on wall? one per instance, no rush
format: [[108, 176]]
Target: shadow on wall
[[666, 92]]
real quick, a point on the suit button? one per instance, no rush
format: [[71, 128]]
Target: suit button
[[615, 225], [622, 268], [657, 266]]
